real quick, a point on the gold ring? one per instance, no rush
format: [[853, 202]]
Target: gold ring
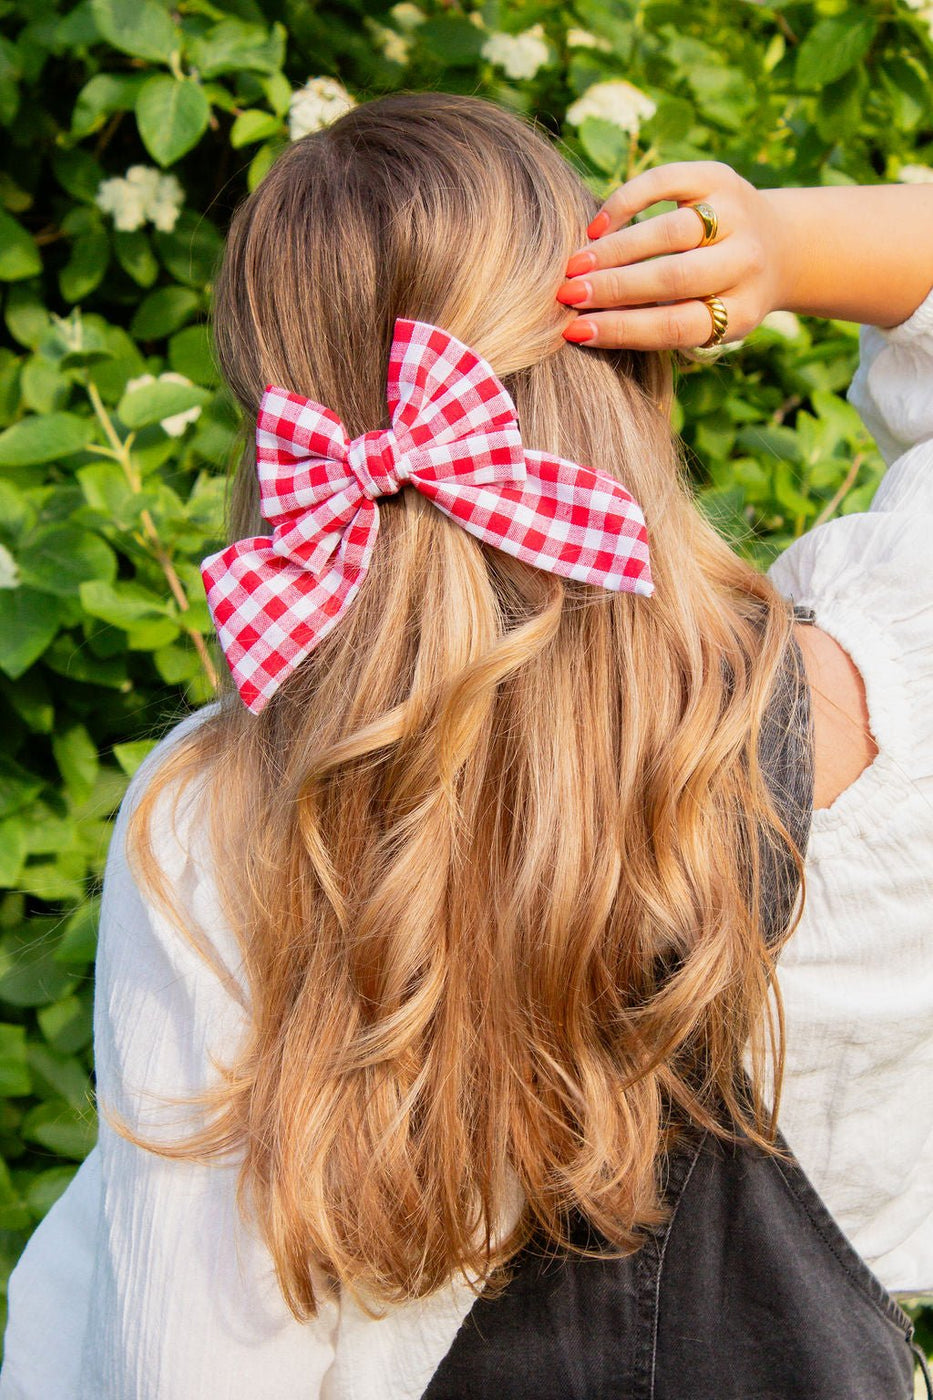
[[720, 319], [708, 218]]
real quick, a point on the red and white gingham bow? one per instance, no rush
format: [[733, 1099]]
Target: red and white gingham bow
[[455, 437]]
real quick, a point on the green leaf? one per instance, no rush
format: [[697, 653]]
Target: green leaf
[[172, 115], [253, 126], [454, 41], [77, 758], [18, 786], [58, 1076], [150, 403], [45, 389], [67, 1024], [28, 622], [14, 1213], [78, 945], [138, 27], [19, 256], [606, 144], [104, 94], [58, 558], [134, 254], [162, 312], [123, 604], [233, 46], [833, 47], [31, 977], [44, 439], [130, 755], [78, 173], [65, 1130], [15, 1079], [85, 268], [26, 318], [192, 251], [72, 659], [190, 353], [12, 849]]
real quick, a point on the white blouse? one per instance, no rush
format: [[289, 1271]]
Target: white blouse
[[143, 1283]]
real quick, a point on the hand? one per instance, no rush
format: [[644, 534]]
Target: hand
[[651, 273]]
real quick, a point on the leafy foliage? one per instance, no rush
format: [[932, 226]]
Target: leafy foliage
[[114, 434]]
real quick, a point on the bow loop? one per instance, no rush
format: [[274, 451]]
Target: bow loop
[[455, 438]]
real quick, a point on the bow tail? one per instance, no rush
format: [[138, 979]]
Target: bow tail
[[564, 518], [270, 612]]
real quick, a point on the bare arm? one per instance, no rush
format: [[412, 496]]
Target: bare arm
[[860, 253]]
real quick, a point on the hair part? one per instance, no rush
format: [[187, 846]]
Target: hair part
[[493, 852]]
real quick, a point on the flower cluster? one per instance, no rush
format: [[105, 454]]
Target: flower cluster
[[915, 175], [519, 55], [615, 101], [143, 195], [176, 423], [316, 105], [583, 39]]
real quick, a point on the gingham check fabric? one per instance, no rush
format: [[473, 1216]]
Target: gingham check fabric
[[455, 437]]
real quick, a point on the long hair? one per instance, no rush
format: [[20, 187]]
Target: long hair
[[492, 853]]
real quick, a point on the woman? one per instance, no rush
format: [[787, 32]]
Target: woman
[[438, 956]]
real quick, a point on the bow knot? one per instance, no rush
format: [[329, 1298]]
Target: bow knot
[[455, 437], [378, 464]]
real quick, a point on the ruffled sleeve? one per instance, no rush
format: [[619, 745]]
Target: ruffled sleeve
[[143, 1281]]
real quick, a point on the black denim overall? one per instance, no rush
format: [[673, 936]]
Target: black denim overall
[[749, 1291]]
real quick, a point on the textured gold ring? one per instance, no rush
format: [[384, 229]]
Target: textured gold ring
[[708, 218], [720, 319]]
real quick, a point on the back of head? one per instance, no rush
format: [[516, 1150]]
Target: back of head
[[492, 849]]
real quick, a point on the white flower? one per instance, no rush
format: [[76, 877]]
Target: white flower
[[916, 175], [783, 323], [9, 573], [407, 16], [392, 45], [924, 11], [521, 55], [176, 423], [143, 194], [316, 105], [126, 204], [583, 39], [615, 101]]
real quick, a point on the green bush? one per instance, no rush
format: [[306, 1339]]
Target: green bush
[[132, 128]]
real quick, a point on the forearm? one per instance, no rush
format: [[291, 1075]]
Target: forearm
[[855, 252]]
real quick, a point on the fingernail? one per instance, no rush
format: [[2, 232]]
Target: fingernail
[[580, 331], [574, 294], [580, 263], [599, 225]]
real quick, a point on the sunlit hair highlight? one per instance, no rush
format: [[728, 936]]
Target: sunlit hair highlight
[[492, 853]]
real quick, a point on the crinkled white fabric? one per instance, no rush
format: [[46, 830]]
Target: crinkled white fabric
[[143, 1282], [857, 977]]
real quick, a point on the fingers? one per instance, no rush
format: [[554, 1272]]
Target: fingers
[[678, 180], [685, 324], [700, 273], [676, 232]]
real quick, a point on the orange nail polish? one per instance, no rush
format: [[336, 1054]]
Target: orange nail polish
[[580, 263], [599, 225], [580, 331], [574, 294]]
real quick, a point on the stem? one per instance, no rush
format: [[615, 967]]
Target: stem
[[843, 491], [151, 540]]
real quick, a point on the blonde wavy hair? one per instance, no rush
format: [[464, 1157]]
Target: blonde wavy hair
[[492, 853]]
